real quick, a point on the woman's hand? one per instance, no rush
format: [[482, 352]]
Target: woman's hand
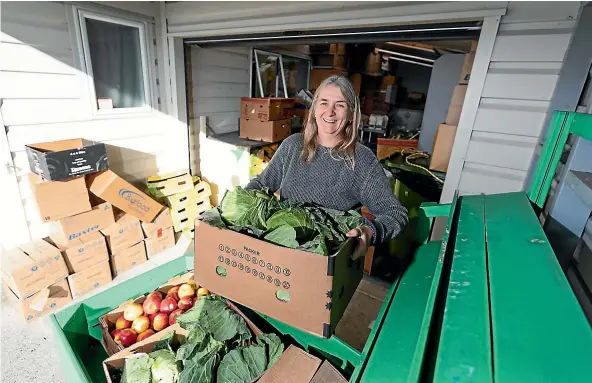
[[364, 234]]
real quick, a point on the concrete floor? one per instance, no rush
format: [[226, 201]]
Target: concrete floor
[[28, 353]]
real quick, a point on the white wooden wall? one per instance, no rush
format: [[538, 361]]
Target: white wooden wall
[[45, 97], [527, 55]]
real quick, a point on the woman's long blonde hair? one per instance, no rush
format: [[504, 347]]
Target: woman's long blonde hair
[[347, 147]]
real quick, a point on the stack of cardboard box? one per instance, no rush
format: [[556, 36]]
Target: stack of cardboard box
[[444, 139], [187, 198], [266, 119], [93, 217]]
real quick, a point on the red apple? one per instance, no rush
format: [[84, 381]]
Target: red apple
[[122, 323], [174, 289], [145, 335], [156, 294], [152, 304], [127, 336], [115, 334], [175, 296], [151, 317], [186, 291], [132, 311], [185, 303], [173, 316], [168, 305], [141, 324], [160, 322]]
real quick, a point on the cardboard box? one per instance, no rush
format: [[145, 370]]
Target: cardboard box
[[453, 115], [161, 222], [259, 273], [465, 74], [67, 231], [373, 64], [267, 131], [458, 95], [298, 366], [164, 185], [89, 279], [339, 61], [124, 233], [32, 267], [59, 160], [358, 319], [267, 109], [88, 250], [160, 241], [128, 258], [443, 143], [110, 187], [338, 49], [317, 76], [59, 199], [41, 303]]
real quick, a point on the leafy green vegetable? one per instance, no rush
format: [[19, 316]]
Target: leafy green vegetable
[[214, 316], [287, 223], [164, 369], [284, 235], [199, 370], [242, 365], [165, 342], [137, 369], [273, 346]]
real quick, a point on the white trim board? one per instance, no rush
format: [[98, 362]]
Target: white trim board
[[469, 110]]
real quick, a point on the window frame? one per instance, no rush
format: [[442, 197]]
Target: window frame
[[281, 54], [80, 16]]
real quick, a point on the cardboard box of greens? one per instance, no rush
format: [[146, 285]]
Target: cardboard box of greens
[[302, 289], [31, 267], [59, 160], [117, 361], [41, 303], [111, 188], [107, 321], [59, 199]]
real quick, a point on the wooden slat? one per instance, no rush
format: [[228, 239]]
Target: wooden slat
[[204, 105], [522, 86], [464, 352], [215, 75], [399, 348], [539, 331], [489, 179], [45, 38], [503, 150], [537, 48], [24, 58], [44, 111], [520, 117]]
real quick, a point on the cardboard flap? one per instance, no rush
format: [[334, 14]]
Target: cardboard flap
[[294, 366], [40, 300], [180, 279], [39, 250], [13, 260], [328, 374], [55, 146]]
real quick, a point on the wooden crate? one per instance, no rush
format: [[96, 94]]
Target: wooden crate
[[388, 146]]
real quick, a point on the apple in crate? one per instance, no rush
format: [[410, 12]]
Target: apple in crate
[[141, 324], [115, 334], [168, 305], [173, 290], [127, 337], [175, 296], [152, 304], [202, 291], [185, 303], [122, 323], [160, 322], [145, 335], [132, 311], [186, 291], [173, 316]]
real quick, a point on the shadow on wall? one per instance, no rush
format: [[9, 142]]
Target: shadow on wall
[[133, 165]]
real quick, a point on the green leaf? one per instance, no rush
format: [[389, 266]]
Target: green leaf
[[199, 371], [256, 359], [297, 218], [137, 369], [273, 346], [284, 235], [214, 316], [213, 218], [242, 365], [165, 342], [164, 369]]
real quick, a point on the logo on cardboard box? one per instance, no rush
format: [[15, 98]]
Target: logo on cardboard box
[[85, 231], [134, 199]]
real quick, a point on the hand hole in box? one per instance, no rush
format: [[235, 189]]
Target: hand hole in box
[[184, 220], [282, 295], [221, 271], [183, 199], [182, 210]]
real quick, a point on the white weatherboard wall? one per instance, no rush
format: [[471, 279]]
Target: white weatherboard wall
[[528, 52], [46, 97]]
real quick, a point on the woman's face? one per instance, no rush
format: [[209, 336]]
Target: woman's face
[[331, 112]]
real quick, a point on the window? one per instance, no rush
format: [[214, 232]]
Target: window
[[279, 74], [116, 62]]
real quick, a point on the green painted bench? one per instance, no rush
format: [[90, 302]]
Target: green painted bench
[[487, 303]]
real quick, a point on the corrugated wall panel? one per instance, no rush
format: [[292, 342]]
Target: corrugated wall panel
[[220, 77], [527, 56]]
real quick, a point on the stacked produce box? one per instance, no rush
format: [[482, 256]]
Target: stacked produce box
[[266, 119], [260, 158], [187, 198], [94, 221]]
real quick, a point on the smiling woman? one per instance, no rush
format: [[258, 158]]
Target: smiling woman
[[327, 166]]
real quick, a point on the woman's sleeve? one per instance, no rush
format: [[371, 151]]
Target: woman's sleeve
[[377, 195], [271, 177]]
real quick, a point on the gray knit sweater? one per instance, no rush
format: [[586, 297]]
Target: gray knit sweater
[[332, 183]]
